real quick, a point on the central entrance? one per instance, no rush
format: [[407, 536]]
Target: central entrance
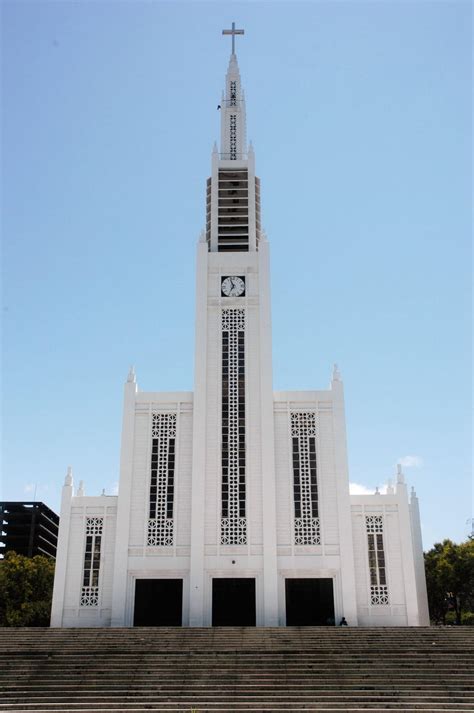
[[309, 602], [233, 602], [158, 602]]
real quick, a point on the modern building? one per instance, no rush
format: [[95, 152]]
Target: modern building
[[234, 504], [28, 529]]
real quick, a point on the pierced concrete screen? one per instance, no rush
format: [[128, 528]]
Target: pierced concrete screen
[[307, 530], [233, 93], [233, 520], [163, 454], [90, 577], [378, 580]]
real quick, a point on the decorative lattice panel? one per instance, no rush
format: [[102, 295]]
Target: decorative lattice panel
[[90, 597], [377, 571], [233, 520], [94, 525], [307, 528], [90, 578], [163, 457], [233, 137], [379, 594], [233, 93], [374, 523]]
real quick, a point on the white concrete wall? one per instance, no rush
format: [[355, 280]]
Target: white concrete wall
[[144, 561], [329, 559], [73, 614], [405, 605], [419, 561], [212, 558]]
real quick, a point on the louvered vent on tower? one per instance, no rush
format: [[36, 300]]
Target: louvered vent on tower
[[233, 211], [257, 210]]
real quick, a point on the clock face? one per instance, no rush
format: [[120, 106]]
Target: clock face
[[233, 286]]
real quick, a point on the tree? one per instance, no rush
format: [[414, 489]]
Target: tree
[[26, 589], [450, 579]]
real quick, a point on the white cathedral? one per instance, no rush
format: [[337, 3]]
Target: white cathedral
[[234, 506]]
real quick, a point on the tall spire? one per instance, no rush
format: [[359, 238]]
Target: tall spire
[[233, 119], [233, 190]]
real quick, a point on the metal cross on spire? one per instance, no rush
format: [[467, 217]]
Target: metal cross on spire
[[233, 32]]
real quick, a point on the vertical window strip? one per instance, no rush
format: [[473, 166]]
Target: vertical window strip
[[376, 554], [233, 137], [233, 445], [313, 479], [163, 460], [296, 477], [90, 576], [233, 93], [307, 527]]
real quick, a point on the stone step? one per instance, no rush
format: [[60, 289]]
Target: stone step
[[248, 669], [463, 685], [208, 706], [233, 694]]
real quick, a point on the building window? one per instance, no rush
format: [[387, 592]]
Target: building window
[[233, 517], [233, 93], [377, 570], [307, 530], [163, 456], [233, 137], [90, 577]]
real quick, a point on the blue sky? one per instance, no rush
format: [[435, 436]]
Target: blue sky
[[360, 117]]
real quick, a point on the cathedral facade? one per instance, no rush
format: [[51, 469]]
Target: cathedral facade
[[234, 504]]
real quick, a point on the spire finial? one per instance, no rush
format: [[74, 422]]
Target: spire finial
[[68, 478], [400, 476], [131, 375], [80, 490], [233, 32], [336, 374]]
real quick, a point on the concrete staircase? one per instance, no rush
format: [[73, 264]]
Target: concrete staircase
[[237, 669]]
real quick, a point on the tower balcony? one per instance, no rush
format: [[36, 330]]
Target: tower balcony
[[233, 156], [226, 103]]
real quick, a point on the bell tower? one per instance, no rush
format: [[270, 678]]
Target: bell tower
[[233, 521], [233, 190]]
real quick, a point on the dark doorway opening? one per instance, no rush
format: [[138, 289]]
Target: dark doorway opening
[[233, 602], [309, 602], [158, 602]]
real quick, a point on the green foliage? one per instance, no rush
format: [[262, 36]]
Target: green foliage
[[450, 581], [467, 618], [26, 589]]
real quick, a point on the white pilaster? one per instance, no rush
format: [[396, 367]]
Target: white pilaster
[[119, 588], [57, 605], [252, 208], [348, 584], [196, 579], [270, 577], [422, 595], [406, 546], [214, 199]]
